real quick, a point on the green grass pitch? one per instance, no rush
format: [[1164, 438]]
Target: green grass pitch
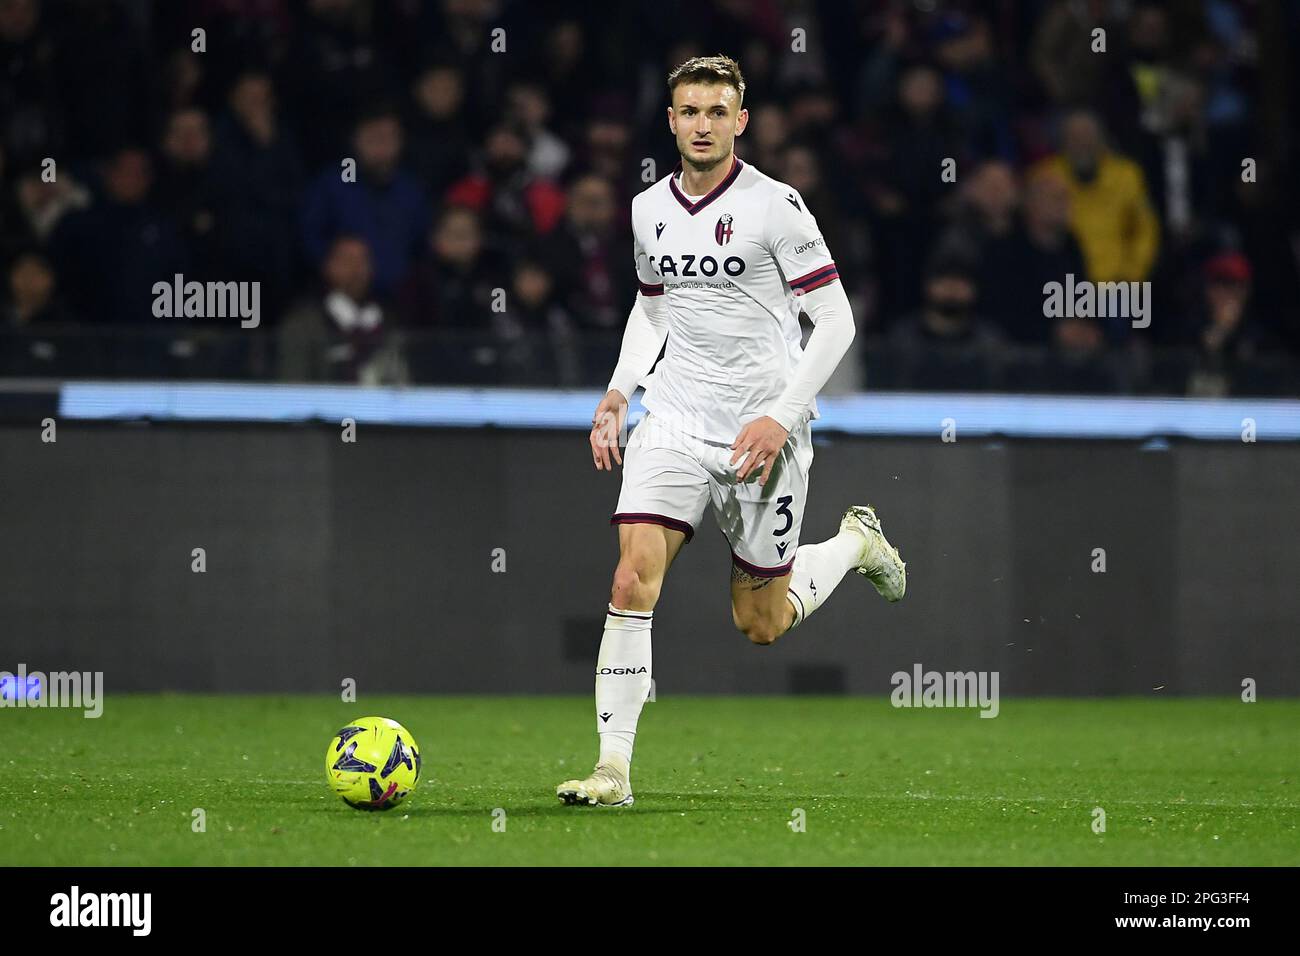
[[717, 781]]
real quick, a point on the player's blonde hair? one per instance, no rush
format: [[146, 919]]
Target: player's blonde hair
[[709, 69]]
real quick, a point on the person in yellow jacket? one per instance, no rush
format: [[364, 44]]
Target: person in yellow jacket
[[1110, 213]]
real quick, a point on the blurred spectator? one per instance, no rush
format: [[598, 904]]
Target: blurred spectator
[[1062, 53], [1227, 290], [341, 333], [905, 190], [1165, 127], [811, 117], [438, 145], [992, 198], [1225, 333], [453, 286], [336, 67], [535, 333], [984, 233], [255, 181], [765, 137], [43, 204], [945, 346], [1078, 336], [184, 76], [1266, 215], [386, 206], [606, 150], [1110, 212], [462, 35], [186, 188], [29, 308], [1146, 58], [569, 73], [110, 255], [31, 298], [30, 114], [975, 87], [885, 47], [515, 206], [529, 109], [1077, 361], [1043, 250], [30, 117], [1224, 65], [588, 256]]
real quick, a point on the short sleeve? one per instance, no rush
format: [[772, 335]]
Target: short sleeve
[[648, 281], [797, 243]]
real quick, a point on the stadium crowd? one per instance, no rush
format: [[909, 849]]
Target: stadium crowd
[[486, 237]]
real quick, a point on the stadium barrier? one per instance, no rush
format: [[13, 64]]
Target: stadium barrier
[[477, 558]]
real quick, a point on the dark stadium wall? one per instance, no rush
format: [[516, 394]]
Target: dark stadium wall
[[375, 561]]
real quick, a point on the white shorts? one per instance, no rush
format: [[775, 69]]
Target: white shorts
[[669, 478]]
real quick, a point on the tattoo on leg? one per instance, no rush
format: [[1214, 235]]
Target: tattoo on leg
[[740, 576]]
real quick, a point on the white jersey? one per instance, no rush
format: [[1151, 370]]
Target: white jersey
[[731, 268]]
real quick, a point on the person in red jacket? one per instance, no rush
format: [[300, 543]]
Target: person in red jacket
[[514, 204]]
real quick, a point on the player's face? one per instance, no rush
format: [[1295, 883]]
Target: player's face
[[706, 121]]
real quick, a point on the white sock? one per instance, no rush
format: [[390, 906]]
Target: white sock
[[622, 680], [818, 569]]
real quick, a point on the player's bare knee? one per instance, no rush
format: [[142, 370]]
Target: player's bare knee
[[631, 590], [758, 628], [627, 585], [762, 632]]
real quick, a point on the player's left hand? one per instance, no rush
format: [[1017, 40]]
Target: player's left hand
[[758, 443]]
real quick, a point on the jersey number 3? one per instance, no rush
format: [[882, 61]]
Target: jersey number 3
[[784, 510]]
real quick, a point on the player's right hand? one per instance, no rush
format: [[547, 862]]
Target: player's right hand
[[606, 427]]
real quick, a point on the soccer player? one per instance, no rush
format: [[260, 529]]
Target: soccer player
[[727, 259]]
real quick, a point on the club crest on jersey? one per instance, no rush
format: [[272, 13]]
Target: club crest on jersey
[[723, 231]]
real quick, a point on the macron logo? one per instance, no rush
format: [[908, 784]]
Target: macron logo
[[793, 202], [103, 909], [659, 229]]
